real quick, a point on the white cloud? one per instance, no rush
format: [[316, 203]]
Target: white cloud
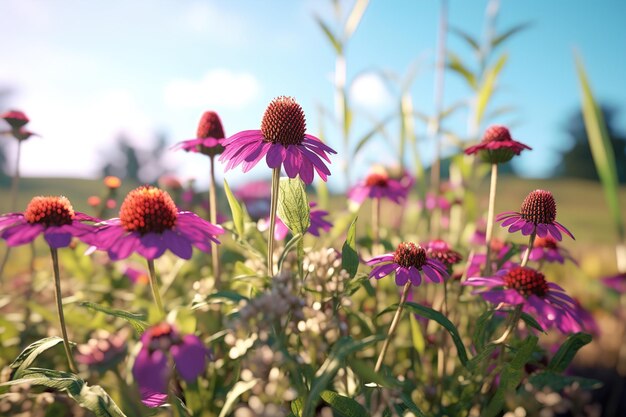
[[219, 87], [205, 18], [368, 90]]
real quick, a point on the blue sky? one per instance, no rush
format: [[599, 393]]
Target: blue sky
[[86, 71]]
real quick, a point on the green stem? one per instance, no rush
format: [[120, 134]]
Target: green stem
[[154, 286], [273, 208], [59, 302], [215, 255], [392, 327], [375, 225], [517, 313], [14, 188], [490, 215]]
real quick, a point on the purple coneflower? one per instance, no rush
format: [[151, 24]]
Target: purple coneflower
[[52, 216], [150, 223], [440, 250], [256, 197], [528, 288], [537, 215], [318, 223], [408, 261], [15, 118], [378, 185], [616, 282], [209, 136], [152, 368], [548, 249], [497, 146], [282, 140]]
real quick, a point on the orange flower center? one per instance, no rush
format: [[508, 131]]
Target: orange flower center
[[376, 179], [539, 207], [49, 211], [409, 254], [283, 122], [148, 209], [526, 281]]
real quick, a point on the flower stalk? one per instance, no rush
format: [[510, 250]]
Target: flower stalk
[[273, 209], [154, 286], [392, 327], [490, 216], [59, 303], [215, 255]]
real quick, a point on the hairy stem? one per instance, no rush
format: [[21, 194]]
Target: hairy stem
[[392, 327], [215, 255], [273, 209], [59, 303]]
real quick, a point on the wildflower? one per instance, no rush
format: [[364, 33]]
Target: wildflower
[[378, 185], [545, 301], [53, 216], [256, 197], [497, 146], [537, 215], [150, 223], [112, 182], [209, 136], [152, 368], [548, 249], [15, 118], [103, 350], [318, 223], [94, 201], [503, 253], [440, 250], [408, 261], [282, 141], [616, 282]]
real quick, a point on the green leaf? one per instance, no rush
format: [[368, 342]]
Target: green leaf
[[557, 382], [480, 332], [601, 149], [567, 351], [336, 359], [293, 205], [345, 405], [511, 376], [238, 389], [495, 42], [28, 355], [408, 402], [354, 18], [365, 371], [235, 209], [138, 321], [473, 43], [219, 297], [349, 255], [293, 242], [487, 87], [296, 407], [378, 128], [530, 321], [336, 43], [456, 65], [443, 321], [92, 398], [416, 335]]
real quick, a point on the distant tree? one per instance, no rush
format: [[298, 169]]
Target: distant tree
[[578, 161]]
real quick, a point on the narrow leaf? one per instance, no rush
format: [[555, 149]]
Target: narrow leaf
[[337, 45], [235, 209], [354, 18], [238, 389], [378, 128], [408, 402], [296, 407], [138, 321], [487, 87], [473, 43], [601, 149], [456, 65], [28, 355], [293, 205], [293, 242], [444, 322], [567, 351], [557, 382], [349, 255], [345, 405], [495, 42]]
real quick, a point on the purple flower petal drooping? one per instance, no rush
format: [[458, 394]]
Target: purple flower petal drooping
[[282, 141], [497, 146], [409, 262], [52, 216], [537, 215], [150, 223], [543, 300], [152, 367], [209, 136]]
